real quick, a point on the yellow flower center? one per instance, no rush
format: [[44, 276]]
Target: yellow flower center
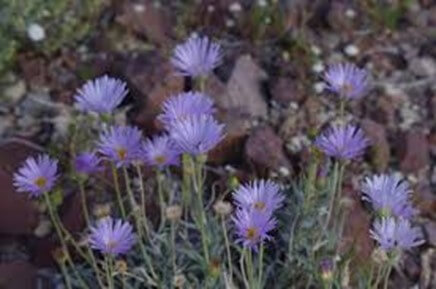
[[40, 182], [347, 88], [122, 153], [260, 206], [251, 233], [160, 159], [111, 244]]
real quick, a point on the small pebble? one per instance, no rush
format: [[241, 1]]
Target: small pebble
[[318, 67], [351, 50], [350, 13], [316, 50], [319, 87], [235, 7], [36, 32]]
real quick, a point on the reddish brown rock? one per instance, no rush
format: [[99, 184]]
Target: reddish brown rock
[[356, 228], [17, 213], [231, 147], [286, 90], [379, 144], [265, 149], [243, 91], [146, 19], [425, 201], [156, 86], [416, 153], [18, 275]]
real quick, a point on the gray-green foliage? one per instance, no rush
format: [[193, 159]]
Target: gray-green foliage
[[64, 21]]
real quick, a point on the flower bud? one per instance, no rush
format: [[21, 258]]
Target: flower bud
[[173, 213], [222, 208]]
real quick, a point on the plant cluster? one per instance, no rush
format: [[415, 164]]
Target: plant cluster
[[260, 234]]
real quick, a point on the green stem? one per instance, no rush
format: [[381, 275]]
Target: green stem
[[250, 269], [259, 282], [186, 185], [84, 203], [173, 247], [242, 265], [108, 263], [332, 194], [227, 244], [162, 204], [143, 205], [65, 274], [118, 191], [388, 273], [201, 215], [137, 219], [58, 229]]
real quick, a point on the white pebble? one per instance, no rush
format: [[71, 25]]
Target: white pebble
[[35, 32], [316, 50], [350, 13], [230, 23], [235, 7], [351, 50], [318, 67], [139, 8], [262, 3], [319, 87], [284, 171]]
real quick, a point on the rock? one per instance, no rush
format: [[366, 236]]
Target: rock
[[430, 232], [416, 154], [423, 67], [15, 92], [17, 213], [432, 143], [231, 148], [425, 201], [356, 228], [243, 91], [265, 149], [18, 275], [379, 144], [155, 82], [286, 90], [147, 19]]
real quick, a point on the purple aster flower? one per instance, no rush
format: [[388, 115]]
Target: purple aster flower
[[112, 237], [253, 227], [389, 195], [121, 144], [87, 163], [260, 195], [343, 142], [393, 234], [101, 95], [160, 151], [36, 176], [196, 57], [347, 80], [185, 104], [197, 134]]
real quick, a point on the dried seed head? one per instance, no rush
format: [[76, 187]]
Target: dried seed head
[[121, 266], [222, 208], [379, 256], [101, 210], [59, 255], [179, 280], [174, 213], [326, 267]]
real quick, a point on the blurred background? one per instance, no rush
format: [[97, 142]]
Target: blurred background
[[269, 93]]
